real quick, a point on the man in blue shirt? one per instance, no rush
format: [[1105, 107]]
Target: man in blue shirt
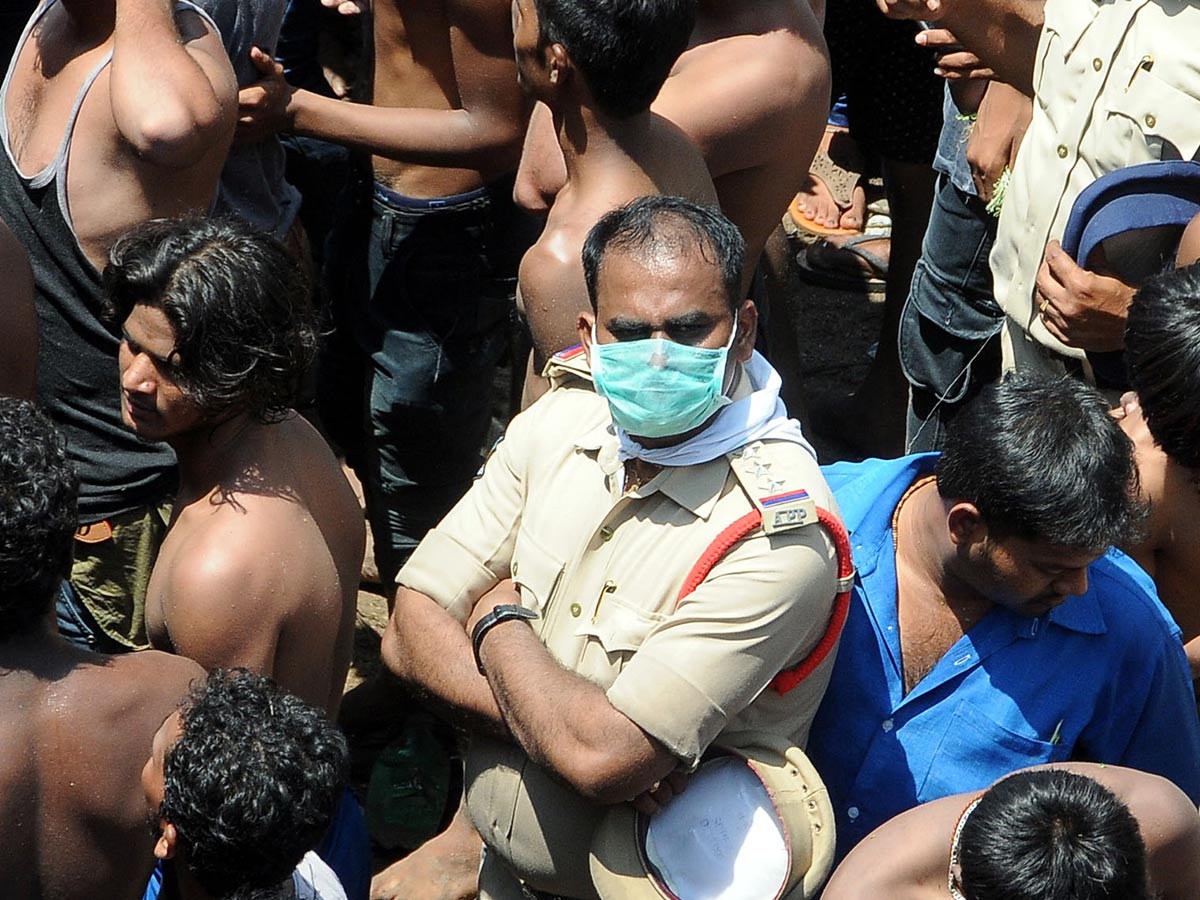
[[991, 627]]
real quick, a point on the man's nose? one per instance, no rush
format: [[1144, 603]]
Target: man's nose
[[138, 375], [1072, 582]]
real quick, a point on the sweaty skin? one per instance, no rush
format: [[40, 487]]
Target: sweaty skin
[[76, 726], [908, 858], [19, 337], [260, 564], [155, 127], [751, 91]]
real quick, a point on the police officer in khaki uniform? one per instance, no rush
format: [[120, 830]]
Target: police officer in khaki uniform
[[598, 675]]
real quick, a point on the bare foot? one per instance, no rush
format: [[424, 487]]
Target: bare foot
[[443, 868], [815, 199]]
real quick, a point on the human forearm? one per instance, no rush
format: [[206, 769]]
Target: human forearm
[[565, 722], [431, 653], [166, 104], [435, 137]]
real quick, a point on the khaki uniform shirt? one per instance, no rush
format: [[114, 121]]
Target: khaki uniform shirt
[[1117, 83], [604, 569]]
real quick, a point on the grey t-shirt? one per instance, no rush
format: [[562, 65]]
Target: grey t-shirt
[[252, 182]]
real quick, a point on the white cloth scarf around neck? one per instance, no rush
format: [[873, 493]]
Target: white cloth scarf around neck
[[758, 417]]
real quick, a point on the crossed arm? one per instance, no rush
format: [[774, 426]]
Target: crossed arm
[[563, 722]]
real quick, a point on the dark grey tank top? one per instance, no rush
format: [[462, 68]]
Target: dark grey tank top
[[78, 381]]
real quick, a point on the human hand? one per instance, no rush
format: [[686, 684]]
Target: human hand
[[346, 7], [1081, 308], [504, 592], [1004, 114], [264, 107], [920, 10], [954, 62], [650, 801]]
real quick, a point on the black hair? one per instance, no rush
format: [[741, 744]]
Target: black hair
[[1043, 460], [623, 48], [238, 302], [252, 782], [1162, 353], [38, 515], [647, 224], [1052, 835]]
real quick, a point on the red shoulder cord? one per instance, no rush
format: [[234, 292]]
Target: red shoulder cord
[[788, 678]]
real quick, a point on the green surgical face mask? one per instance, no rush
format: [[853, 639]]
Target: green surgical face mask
[[657, 388]]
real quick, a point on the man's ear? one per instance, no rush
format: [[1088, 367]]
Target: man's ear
[[583, 325], [168, 841], [966, 524], [747, 324], [558, 61]]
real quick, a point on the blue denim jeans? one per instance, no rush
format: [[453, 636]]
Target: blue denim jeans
[[77, 625], [422, 294], [950, 326]]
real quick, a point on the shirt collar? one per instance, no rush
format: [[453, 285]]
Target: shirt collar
[[1082, 614]]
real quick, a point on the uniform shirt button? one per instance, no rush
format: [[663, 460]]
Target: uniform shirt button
[[852, 812], [1097, 64], [1151, 121], [887, 724], [1062, 151], [606, 533], [576, 610]]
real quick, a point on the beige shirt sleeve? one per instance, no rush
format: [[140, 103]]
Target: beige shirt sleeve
[[763, 607], [471, 549]]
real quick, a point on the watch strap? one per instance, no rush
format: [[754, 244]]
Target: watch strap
[[502, 613]]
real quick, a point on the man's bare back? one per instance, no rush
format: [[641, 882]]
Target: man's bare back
[[153, 129], [77, 726], [261, 570], [908, 858]]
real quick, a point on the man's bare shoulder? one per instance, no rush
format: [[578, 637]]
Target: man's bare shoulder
[[124, 694], [907, 858]]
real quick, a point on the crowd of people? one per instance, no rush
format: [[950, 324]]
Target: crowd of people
[[261, 265]]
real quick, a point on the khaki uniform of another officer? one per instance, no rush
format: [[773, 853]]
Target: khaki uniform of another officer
[[604, 568]]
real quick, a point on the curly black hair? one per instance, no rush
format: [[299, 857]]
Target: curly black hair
[[252, 782], [239, 304], [38, 515]]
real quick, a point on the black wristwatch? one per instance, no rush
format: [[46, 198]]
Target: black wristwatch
[[501, 613]]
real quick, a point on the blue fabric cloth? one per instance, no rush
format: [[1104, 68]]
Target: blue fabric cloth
[[346, 848], [1102, 677], [951, 157], [950, 316]]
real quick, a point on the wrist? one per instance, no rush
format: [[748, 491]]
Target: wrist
[[500, 614]]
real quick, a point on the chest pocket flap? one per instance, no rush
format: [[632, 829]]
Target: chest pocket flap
[[535, 570]]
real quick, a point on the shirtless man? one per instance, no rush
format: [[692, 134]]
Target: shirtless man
[[139, 95], [752, 92], [19, 338], [597, 67], [1161, 417], [422, 264], [76, 724], [260, 564], [1070, 831]]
